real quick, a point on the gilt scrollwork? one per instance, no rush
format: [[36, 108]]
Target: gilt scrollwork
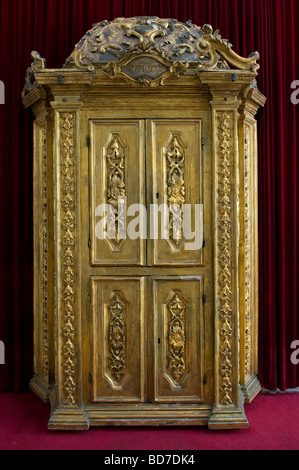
[[38, 64], [171, 40]]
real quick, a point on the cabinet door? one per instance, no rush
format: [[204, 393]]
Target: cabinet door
[[175, 157], [118, 339], [178, 339], [117, 181]]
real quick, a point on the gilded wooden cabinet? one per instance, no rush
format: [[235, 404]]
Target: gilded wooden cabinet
[[135, 323]]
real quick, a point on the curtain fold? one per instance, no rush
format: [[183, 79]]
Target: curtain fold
[[53, 27]]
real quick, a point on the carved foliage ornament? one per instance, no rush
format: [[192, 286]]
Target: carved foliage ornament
[[224, 257], [178, 44], [68, 216], [117, 338], [176, 338], [116, 192], [175, 189]]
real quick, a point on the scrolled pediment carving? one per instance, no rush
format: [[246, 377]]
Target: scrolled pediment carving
[[38, 64], [118, 41]]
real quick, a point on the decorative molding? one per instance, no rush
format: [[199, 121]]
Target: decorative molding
[[224, 254], [116, 335], [68, 274], [179, 44], [176, 339]]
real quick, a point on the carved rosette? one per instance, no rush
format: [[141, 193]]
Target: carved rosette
[[224, 256], [44, 250], [176, 338], [247, 243], [68, 274]]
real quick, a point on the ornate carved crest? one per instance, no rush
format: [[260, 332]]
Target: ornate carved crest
[[147, 50]]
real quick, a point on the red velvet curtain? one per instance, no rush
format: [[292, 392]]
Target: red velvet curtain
[[53, 27]]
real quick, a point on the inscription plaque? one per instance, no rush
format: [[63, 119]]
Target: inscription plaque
[[144, 67]]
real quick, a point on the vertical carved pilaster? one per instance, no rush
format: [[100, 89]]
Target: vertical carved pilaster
[[228, 409], [66, 401], [68, 266], [44, 249], [40, 382], [224, 259], [247, 248]]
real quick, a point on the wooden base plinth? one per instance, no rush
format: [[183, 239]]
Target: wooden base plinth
[[68, 419], [40, 386], [251, 389], [228, 419]]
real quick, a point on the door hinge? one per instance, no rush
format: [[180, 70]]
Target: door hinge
[[89, 298], [90, 378], [88, 141], [89, 243], [203, 243], [203, 141], [204, 299], [205, 379]]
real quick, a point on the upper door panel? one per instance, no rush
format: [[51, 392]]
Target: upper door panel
[[117, 181], [175, 158]]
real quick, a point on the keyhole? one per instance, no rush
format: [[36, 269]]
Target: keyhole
[[158, 340]]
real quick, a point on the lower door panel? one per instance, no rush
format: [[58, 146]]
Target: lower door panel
[[178, 339], [118, 350]]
